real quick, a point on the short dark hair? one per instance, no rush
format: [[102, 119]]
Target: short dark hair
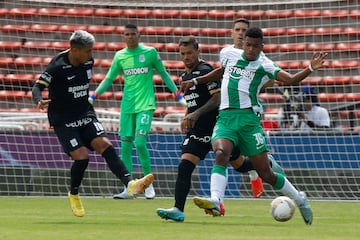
[[131, 26], [243, 20], [254, 32], [189, 40]]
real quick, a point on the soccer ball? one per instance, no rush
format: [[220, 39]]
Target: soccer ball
[[282, 209]]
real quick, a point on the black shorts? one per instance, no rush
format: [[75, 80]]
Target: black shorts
[[196, 144], [79, 133]]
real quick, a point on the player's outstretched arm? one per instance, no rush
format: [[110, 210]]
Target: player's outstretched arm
[[212, 76]]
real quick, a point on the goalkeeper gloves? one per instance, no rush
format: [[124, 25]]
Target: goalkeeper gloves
[[92, 97], [179, 97]]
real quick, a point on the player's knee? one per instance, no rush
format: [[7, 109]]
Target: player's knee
[[140, 143], [221, 156]]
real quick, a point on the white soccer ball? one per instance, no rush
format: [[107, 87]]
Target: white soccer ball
[[282, 209]]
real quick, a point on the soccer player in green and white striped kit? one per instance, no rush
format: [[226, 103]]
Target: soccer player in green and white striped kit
[[136, 63]]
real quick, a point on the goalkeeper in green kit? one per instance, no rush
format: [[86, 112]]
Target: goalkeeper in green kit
[[136, 63]]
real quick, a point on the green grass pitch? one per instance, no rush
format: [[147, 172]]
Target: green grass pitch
[[37, 218]]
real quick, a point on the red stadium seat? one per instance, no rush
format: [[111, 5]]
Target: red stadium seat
[[335, 13], [71, 28], [107, 12], [222, 14], [98, 77], [24, 78], [79, 12], [331, 97], [320, 47], [28, 61], [98, 29], [250, 14], [351, 47], [159, 112], [158, 31], [118, 95], [312, 80], [60, 45], [12, 95], [10, 45], [300, 31], [352, 97], [37, 45], [4, 12], [355, 79], [292, 47], [355, 13], [164, 95], [274, 31], [15, 28], [193, 14], [100, 46], [214, 64], [349, 31], [210, 47], [328, 31], [22, 12], [174, 65], [46, 61], [274, 14], [51, 12], [347, 64], [157, 46], [289, 64], [105, 96], [219, 32], [270, 48], [43, 28], [115, 46], [307, 13], [183, 31], [168, 13], [336, 80], [174, 109], [271, 97], [105, 63], [6, 61], [136, 13]]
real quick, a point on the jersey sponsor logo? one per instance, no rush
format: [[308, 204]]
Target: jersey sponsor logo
[[71, 77], [191, 99], [196, 72], [204, 139], [79, 123], [79, 91], [141, 58], [74, 142], [237, 73], [136, 71]]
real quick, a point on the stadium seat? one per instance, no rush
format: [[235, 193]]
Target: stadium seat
[[44, 28], [101, 29], [336, 80], [157, 46], [28, 61], [17, 77], [107, 12], [320, 47], [335, 13], [22, 12], [355, 79], [6, 61], [9, 28], [312, 80], [98, 77], [159, 111], [215, 64], [274, 14], [115, 46], [157, 30], [328, 31], [274, 31], [4, 12], [292, 47], [174, 65], [352, 97], [10, 45], [37, 45], [105, 96], [193, 14], [136, 13], [79, 12], [331, 97], [55, 12], [250, 14], [174, 109], [118, 95], [12, 95], [105, 63], [210, 47], [164, 96], [46, 61], [171, 47], [218, 32], [60, 45], [307, 13], [289, 64], [300, 31], [355, 13], [183, 31], [270, 48], [168, 13], [350, 31], [351, 47], [346, 64], [99, 46], [271, 97], [221, 14], [71, 28]]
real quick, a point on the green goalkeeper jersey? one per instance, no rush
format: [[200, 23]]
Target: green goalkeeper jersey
[[136, 65]]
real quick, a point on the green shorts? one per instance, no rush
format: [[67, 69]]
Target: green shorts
[[135, 124], [242, 127]]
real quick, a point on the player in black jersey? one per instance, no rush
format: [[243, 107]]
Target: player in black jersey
[[73, 118]]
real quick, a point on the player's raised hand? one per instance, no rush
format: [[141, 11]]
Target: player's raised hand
[[318, 60]]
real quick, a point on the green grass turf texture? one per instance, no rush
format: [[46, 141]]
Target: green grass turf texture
[[38, 218]]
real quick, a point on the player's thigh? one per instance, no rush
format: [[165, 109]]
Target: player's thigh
[[127, 125], [143, 123], [196, 144], [226, 128], [69, 138]]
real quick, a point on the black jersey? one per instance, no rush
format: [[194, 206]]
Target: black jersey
[[198, 95], [68, 89]]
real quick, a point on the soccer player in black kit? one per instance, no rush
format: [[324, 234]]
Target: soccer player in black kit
[[73, 118], [203, 101]]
